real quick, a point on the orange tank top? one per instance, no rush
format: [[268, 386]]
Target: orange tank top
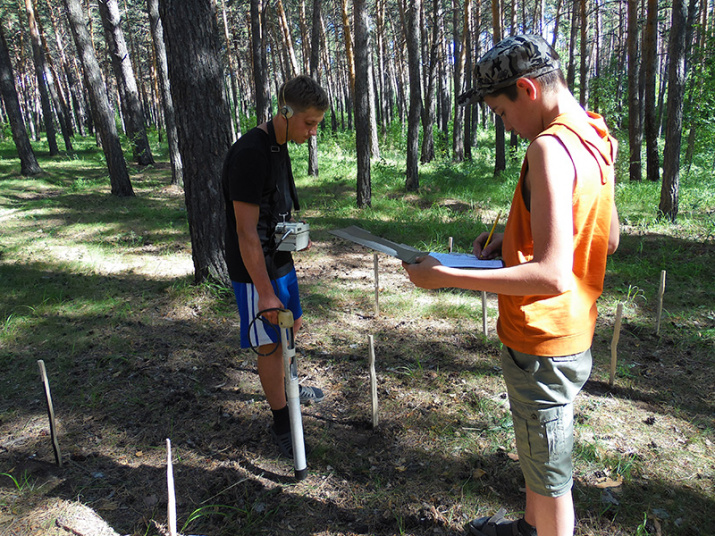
[[564, 324]]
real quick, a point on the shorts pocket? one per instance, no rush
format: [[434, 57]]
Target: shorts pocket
[[544, 434]]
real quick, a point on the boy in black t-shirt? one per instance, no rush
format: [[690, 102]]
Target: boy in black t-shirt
[[259, 192]]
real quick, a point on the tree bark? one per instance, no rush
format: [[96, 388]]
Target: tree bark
[[28, 162], [287, 40], [126, 82], [58, 91], [74, 88], [635, 134], [101, 108], [459, 85], [349, 49], [363, 103], [571, 71], [412, 181], [585, 66], [260, 64], [669, 193], [429, 111], [500, 134], [42, 75], [384, 101], [650, 65], [157, 32], [314, 73], [557, 20], [203, 124], [233, 97]]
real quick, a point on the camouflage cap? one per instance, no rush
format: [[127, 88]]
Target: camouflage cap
[[512, 58]]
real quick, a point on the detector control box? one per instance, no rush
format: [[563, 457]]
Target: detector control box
[[292, 236]]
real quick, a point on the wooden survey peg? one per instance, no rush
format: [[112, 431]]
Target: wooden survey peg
[[485, 329], [661, 291], [614, 343], [50, 412]]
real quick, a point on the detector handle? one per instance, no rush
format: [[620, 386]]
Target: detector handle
[[290, 365]]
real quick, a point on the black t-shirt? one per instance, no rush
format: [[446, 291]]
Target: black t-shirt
[[258, 171]]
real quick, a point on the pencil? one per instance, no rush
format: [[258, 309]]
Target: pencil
[[491, 233]]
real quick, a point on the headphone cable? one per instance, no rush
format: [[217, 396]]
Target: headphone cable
[[265, 322]]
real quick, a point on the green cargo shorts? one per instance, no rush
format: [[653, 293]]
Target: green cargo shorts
[[541, 394]]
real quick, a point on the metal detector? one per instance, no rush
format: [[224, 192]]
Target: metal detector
[[290, 365]]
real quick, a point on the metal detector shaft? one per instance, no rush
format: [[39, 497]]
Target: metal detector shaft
[[290, 364]]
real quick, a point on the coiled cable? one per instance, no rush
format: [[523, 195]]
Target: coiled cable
[[274, 327]]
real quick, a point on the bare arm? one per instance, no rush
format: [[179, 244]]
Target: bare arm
[[550, 270], [252, 255], [614, 237]]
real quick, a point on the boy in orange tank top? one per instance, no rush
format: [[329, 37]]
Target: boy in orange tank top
[[561, 227]]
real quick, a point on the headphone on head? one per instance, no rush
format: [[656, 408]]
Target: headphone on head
[[286, 111]]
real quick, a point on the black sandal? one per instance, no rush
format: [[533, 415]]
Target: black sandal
[[496, 525], [284, 442]]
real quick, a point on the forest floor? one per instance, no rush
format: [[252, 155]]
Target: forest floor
[[165, 363]]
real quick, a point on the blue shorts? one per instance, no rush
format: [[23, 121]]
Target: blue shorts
[[541, 394], [286, 289]]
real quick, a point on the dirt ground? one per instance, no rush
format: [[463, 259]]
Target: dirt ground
[[429, 466]]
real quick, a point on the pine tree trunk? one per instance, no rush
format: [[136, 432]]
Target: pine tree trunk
[[287, 40], [571, 71], [41, 74], [412, 181], [445, 98], [557, 20], [203, 123], [669, 193], [75, 104], [468, 69], [500, 135], [231, 71], [374, 142], [649, 66], [382, 83], [102, 110], [585, 66], [459, 86], [157, 32], [126, 82], [429, 113], [60, 93], [363, 103], [349, 52], [314, 72], [635, 134], [55, 91], [260, 65], [28, 162]]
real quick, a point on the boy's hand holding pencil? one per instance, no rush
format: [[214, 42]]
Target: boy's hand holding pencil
[[480, 250]]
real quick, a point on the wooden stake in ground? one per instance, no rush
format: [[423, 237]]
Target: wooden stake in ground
[[614, 343], [450, 243], [485, 329], [661, 291], [171, 506], [50, 412], [373, 381], [377, 284]]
